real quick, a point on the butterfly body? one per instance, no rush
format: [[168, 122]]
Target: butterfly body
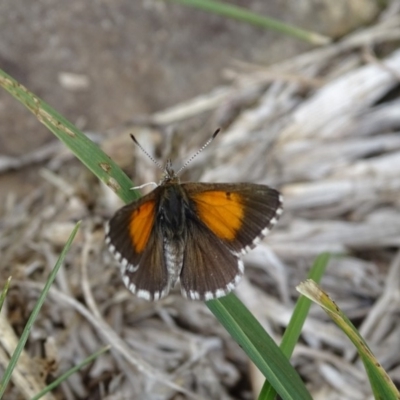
[[193, 233]]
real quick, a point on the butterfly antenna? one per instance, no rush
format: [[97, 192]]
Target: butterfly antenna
[[199, 151], [145, 152]]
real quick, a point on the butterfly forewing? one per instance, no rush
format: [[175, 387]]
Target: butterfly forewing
[[150, 280], [136, 240], [239, 214]]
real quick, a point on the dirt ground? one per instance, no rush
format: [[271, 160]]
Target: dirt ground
[[134, 57]]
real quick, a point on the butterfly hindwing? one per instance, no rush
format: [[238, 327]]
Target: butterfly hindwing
[[210, 270], [150, 280]]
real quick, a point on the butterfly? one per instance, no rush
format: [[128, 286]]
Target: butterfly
[[193, 233]]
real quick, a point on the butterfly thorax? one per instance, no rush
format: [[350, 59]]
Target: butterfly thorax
[[171, 210]]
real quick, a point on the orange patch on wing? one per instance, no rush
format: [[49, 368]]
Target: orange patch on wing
[[141, 224], [222, 212]]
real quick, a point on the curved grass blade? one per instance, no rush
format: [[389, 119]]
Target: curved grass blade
[[293, 330], [259, 346], [82, 147], [241, 14], [381, 384], [24, 337]]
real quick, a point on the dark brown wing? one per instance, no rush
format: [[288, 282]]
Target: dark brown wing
[[210, 270], [239, 214], [136, 241]]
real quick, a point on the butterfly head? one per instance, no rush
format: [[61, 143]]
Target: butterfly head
[[169, 175]]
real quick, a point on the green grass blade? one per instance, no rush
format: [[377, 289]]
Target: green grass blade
[[83, 148], [24, 337], [4, 292], [381, 384], [71, 371], [259, 346], [241, 14], [293, 330]]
